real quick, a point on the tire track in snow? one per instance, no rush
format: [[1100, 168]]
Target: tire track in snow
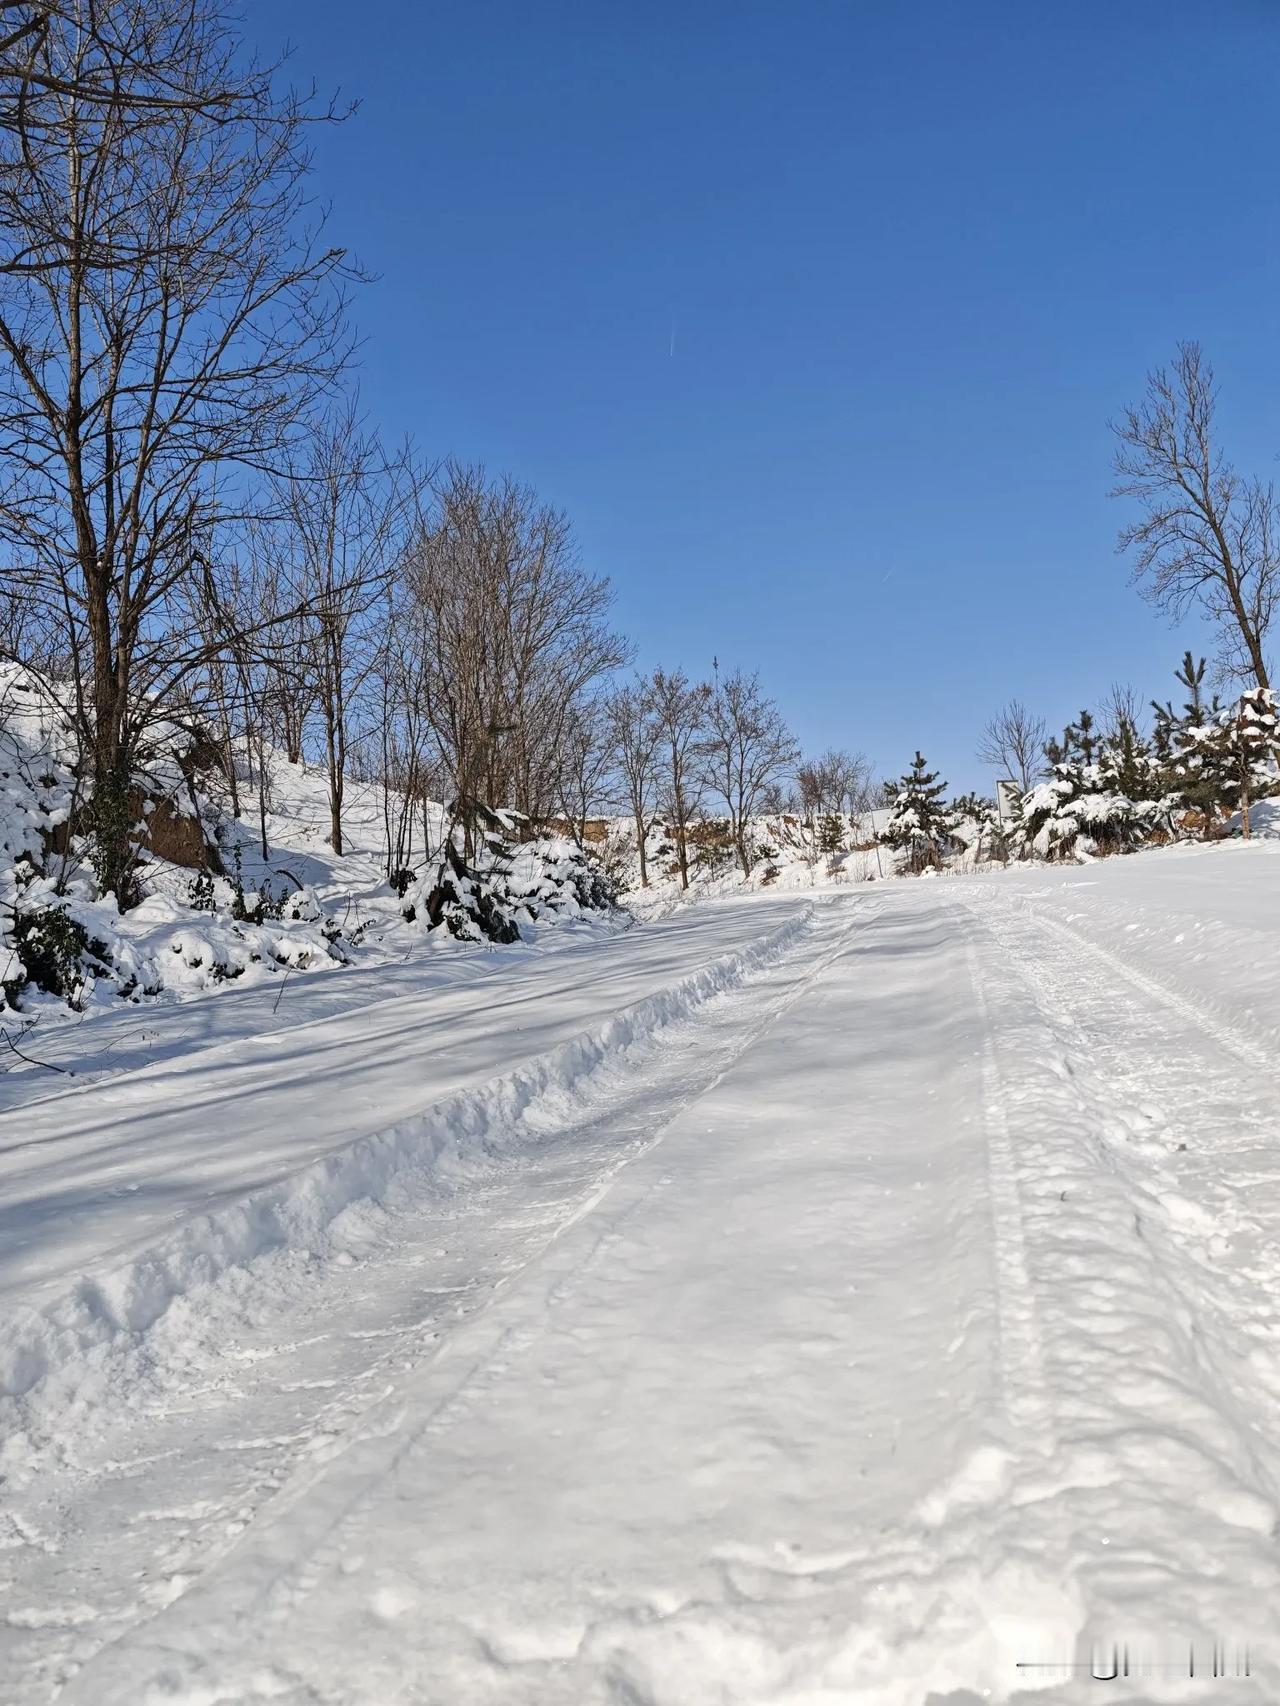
[[367, 1395], [501, 1342], [1164, 1487], [1021, 1355], [1235, 1041], [1138, 1145], [101, 1312], [613, 1109], [912, 1608], [866, 916]]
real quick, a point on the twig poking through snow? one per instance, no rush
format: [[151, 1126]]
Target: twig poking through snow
[[31, 1060]]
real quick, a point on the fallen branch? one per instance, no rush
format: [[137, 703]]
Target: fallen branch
[[47, 1065]]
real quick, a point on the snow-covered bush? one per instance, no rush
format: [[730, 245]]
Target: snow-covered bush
[[505, 885], [63, 938], [1079, 809], [1227, 763], [213, 903], [1117, 792], [979, 827], [1105, 793], [46, 949]]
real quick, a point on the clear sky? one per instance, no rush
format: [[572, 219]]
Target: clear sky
[[813, 316]]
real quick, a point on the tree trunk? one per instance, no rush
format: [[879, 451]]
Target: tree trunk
[[292, 733], [112, 824], [333, 757], [335, 816], [1231, 577], [640, 841], [229, 751], [262, 796], [109, 807]]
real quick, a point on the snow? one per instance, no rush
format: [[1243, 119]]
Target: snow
[[787, 859], [198, 1195], [854, 1294], [333, 910]]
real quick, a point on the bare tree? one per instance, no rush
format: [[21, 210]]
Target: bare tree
[[634, 734], [1206, 536], [1013, 742], [406, 761], [680, 709], [262, 667], [811, 787], [586, 757], [343, 504], [515, 637], [843, 781], [836, 781], [164, 312], [747, 748]]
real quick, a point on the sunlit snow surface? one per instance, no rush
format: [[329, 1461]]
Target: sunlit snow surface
[[865, 1295]]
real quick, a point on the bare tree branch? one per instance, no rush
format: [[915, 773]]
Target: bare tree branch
[[1206, 537], [1013, 743]]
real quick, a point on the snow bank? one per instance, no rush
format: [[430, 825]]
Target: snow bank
[[1200, 919], [94, 1338], [230, 914]]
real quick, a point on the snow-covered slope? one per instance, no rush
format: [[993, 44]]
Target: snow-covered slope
[[789, 856], [860, 1296], [300, 908], [786, 857]]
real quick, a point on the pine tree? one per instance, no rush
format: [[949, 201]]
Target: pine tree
[[1105, 791], [1195, 713], [1230, 761], [976, 813], [1191, 675], [831, 833], [922, 827], [1079, 742], [1174, 740], [1126, 764]]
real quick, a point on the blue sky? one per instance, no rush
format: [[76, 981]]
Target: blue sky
[[813, 315]]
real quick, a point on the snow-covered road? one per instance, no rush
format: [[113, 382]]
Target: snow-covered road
[[891, 1310]]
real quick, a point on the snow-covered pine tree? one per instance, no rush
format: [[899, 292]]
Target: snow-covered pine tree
[[831, 832], [1173, 741], [978, 825], [1106, 793], [1127, 765], [922, 827], [1080, 741], [1230, 760], [1195, 711]]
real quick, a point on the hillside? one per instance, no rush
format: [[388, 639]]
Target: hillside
[[301, 909]]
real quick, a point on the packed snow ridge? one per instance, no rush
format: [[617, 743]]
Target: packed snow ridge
[[110, 1313]]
